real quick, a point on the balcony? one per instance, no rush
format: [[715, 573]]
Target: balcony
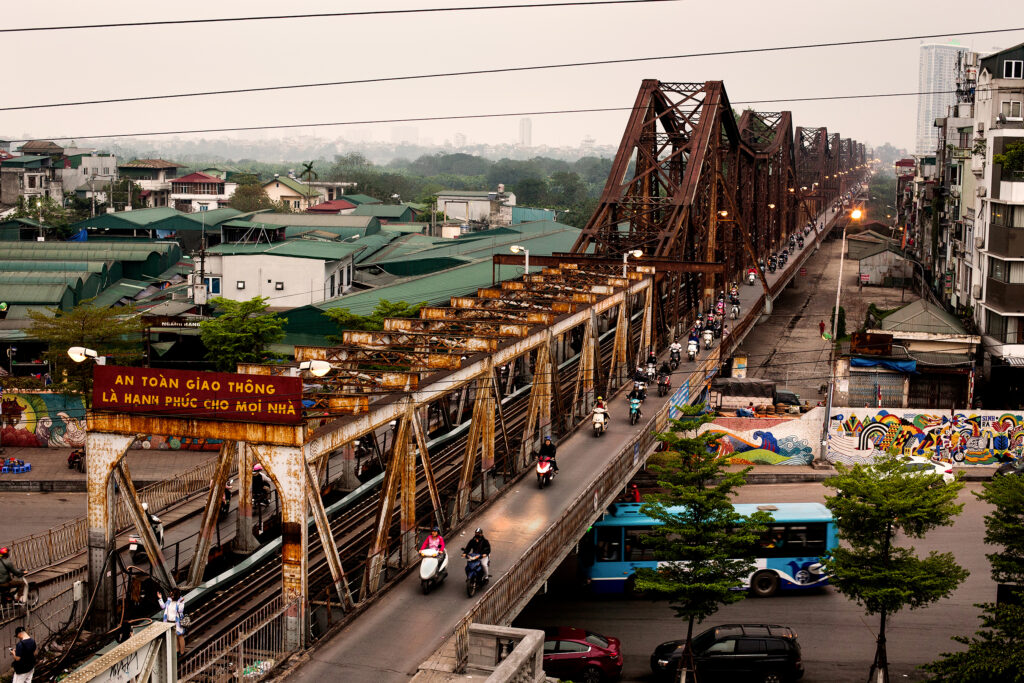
[[1007, 242], [1011, 189], [1003, 297]]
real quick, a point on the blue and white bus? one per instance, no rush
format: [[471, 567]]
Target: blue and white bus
[[789, 557]]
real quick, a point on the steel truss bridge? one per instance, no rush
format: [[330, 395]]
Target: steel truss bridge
[[453, 403]]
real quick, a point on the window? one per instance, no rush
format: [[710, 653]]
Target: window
[[31, 181], [1010, 272], [609, 544], [212, 285], [722, 647], [106, 170], [572, 646], [776, 647], [203, 207], [1013, 68], [1011, 109], [550, 646], [750, 646], [279, 286], [295, 204], [595, 639], [636, 549], [1006, 329], [240, 284], [332, 283]]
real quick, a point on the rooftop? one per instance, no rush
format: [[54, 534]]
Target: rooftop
[[150, 163], [295, 186], [922, 316], [360, 199], [197, 177], [312, 249]]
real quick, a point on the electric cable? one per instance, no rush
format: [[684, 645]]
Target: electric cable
[[498, 70], [326, 15]]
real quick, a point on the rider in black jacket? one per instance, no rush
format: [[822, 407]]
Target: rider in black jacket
[[479, 545]]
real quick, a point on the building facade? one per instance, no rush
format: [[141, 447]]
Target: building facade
[[935, 77], [154, 177], [200, 192]]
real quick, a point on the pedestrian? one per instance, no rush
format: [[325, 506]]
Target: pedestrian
[[635, 493], [24, 656], [174, 612], [821, 328]]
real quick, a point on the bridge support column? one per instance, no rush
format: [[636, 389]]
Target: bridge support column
[[538, 412], [139, 518], [323, 527], [769, 305], [211, 514], [618, 371], [103, 452], [481, 437], [586, 375], [245, 542], [287, 469]]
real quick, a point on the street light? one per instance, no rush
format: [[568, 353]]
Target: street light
[[317, 368], [80, 354], [635, 253], [520, 249]]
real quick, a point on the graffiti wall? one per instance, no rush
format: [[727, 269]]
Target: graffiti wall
[[42, 420], [176, 443], [976, 437], [779, 440]]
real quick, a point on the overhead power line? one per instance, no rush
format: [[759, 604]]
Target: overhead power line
[[454, 117], [326, 15], [480, 72]]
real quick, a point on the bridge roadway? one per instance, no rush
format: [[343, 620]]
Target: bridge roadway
[[404, 628]]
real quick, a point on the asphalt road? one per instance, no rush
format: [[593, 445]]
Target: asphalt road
[[836, 636]]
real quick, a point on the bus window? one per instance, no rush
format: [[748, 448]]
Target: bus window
[[636, 549], [609, 544], [773, 541], [806, 539]]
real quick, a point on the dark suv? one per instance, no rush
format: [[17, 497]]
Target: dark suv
[[765, 653]]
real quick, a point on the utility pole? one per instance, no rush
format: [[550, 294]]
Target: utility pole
[[202, 266]]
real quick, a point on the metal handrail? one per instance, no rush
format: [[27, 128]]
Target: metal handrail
[[37, 551]]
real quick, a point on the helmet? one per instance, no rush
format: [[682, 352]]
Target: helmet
[[257, 467], [145, 507], [4, 550], [600, 398], [547, 437], [479, 530], [436, 528]]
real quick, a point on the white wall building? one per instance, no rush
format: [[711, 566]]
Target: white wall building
[[474, 205], [200, 192], [936, 76], [290, 273]]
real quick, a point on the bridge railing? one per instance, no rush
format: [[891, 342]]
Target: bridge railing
[[47, 548], [512, 590]]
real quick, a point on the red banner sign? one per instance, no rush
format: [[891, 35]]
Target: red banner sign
[[197, 395]]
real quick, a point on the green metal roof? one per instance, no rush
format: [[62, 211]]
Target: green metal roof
[[137, 218], [411, 228], [435, 288], [373, 244], [337, 231], [313, 249], [196, 221], [59, 295], [358, 199], [394, 211], [295, 186], [123, 288], [22, 161]]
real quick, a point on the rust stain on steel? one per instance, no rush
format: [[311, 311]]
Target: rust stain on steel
[[249, 432], [351, 405]]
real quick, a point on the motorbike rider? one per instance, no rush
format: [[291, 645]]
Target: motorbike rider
[[639, 375], [601, 409], [675, 347], [694, 334], [260, 483], [548, 450], [435, 541], [8, 572], [664, 371], [154, 521], [652, 357], [479, 545]]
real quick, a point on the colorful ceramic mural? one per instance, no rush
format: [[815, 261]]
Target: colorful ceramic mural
[[968, 438], [767, 440], [176, 443], [42, 420]]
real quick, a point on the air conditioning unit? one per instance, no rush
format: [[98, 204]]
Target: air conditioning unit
[[982, 191], [976, 291], [979, 242]]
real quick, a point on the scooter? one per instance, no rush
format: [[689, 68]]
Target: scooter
[[800, 241], [651, 371], [673, 358], [751, 278], [642, 388], [664, 384], [135, 547], [709, 338], [225, 499], [475, 578], [545, 472], [735, 312], [600, 421], [76, 460], [720, 307], [772, 264], [18, 598], [634, 410], [433, 569], [691, 350]]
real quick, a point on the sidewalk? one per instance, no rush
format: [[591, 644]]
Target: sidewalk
[[50, 468]]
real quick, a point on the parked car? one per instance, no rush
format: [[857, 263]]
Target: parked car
[[761, 653], [1008, 469], [919, 465], [579, 655], [787, 397]]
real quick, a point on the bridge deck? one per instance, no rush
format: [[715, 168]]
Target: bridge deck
[[395, 635]]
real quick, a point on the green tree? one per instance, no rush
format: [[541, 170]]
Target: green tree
[[347, 320], [531, 191], [308, 173], [1012, 160], [240, 333], [995, 654], [709, 546], [252, 197], [871, 505], [112, 332], [841, 325], [52, 213]]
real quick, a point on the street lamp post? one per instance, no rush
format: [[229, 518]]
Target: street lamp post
[[635, 253], [855, 215], [520, 249]]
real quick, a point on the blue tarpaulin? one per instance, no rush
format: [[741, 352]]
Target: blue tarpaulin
[[897, 365], [80, 236]]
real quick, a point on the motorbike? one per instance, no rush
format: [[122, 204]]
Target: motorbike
[[545, 472], [76, 460], [17, 598], [433, 569], [691, 350], [641, 387], [651, 371], [720, 307], [735, 313], [225, 499], [709, 338], [800, 242], [772, 264], [634, 410], [600, 421], [475, 577], [792, 241], [664, 384], [673, 358], [135, 546], [751, 278]]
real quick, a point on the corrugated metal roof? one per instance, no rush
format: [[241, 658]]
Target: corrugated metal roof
[[383, 211], [150, 163], [314, 249], [40, 293], [360, 199], [197, 177], [338, 232], [373, 244], [23, 160], [921, 316], [136, 218], [309, 220], [122, 289]]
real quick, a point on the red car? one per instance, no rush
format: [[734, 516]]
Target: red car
[[579, 655]]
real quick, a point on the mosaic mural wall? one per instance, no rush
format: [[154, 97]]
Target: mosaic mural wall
[[42, 420], [768, 440], [976, 437]]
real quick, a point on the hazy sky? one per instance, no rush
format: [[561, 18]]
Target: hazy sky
[[46, 67]]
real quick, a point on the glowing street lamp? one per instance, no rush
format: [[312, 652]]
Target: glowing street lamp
[[636, 253], [520, 249], [79, 354], [317, 368]]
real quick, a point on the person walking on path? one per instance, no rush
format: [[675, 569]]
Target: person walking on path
[[174, 612], [24, 656], [821, 328]]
